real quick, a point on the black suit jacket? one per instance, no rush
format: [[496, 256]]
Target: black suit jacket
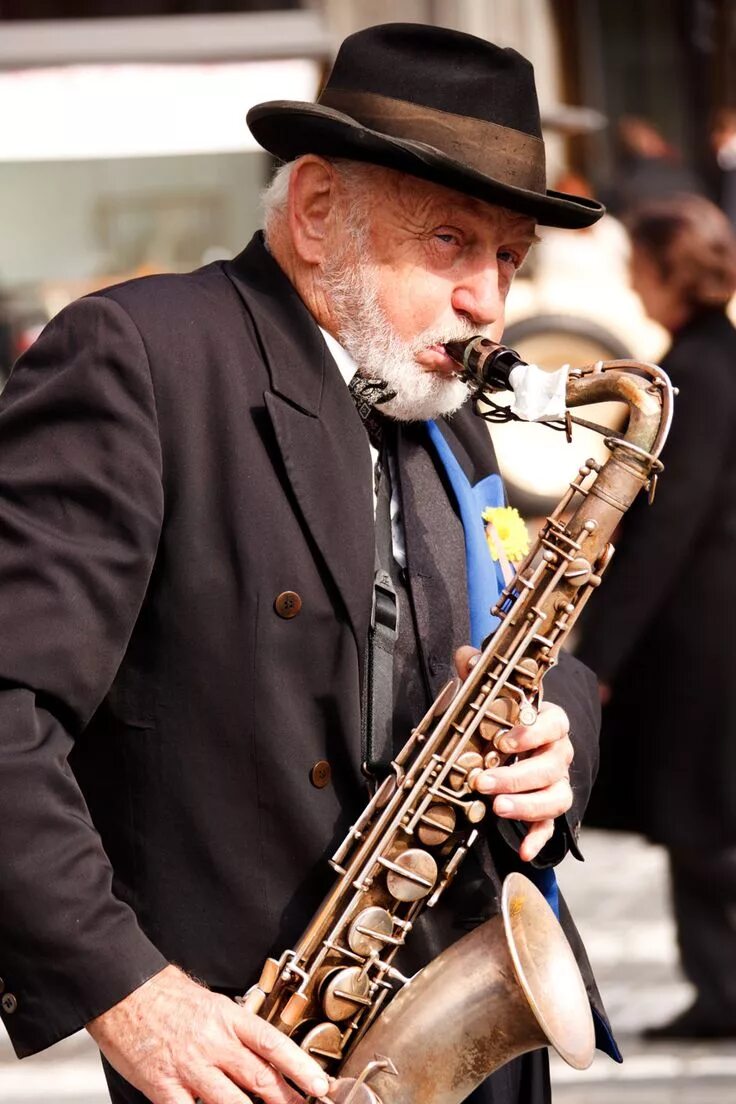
[[176, 452]]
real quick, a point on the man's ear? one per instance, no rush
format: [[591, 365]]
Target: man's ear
[[312, 198]]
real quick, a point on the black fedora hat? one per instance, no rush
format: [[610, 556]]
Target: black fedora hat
[[436, 103]]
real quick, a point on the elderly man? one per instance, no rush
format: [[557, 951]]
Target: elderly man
[[187, 561]]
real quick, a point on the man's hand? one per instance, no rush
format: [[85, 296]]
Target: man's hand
[[536, 788], [176, 1042]]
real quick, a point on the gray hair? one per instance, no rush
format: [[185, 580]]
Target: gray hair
[[275, 194], [355, 178]]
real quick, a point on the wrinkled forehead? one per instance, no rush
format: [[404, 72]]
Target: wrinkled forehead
[[423, 202]]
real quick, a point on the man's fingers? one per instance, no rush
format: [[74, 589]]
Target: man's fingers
[[535, 839], [551, 724], [264, 1039], [259, 1077], [213, 1087], [536, 772], [550, 802], [177, 1095]]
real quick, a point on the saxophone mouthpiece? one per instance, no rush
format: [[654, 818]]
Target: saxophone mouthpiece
[[485, 363], [456, 350]]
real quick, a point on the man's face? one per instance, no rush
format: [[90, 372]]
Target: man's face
[[431, 265]]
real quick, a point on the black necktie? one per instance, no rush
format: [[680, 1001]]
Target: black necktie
[[367, 394], [377, 701]]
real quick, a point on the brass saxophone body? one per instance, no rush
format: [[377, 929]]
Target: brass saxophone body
[[512, 984]]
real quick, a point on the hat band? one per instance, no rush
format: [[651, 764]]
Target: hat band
[[508, 156]]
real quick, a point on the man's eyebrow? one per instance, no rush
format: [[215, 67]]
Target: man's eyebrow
[[529, 235], [479, 208], [528, 226]]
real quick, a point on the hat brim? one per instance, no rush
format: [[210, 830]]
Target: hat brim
[[289, 128]]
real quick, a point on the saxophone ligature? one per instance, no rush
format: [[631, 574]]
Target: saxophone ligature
[[512, 984]]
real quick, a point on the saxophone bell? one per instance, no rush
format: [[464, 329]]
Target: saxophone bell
[[509, 986]]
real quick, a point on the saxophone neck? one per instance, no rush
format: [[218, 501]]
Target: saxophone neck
[[645, 389]]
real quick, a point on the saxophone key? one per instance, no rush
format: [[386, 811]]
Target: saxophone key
[[436, 825], [527, 715], [370, 930], [253, 1000], [293, 1011], [324, 1043], [349, 1090], [344, 991], [462, 767], [578, 572], [527, 672], [385, 791], [269, 975], [445, 696], [500, 715], [475, 811], [411, 875]]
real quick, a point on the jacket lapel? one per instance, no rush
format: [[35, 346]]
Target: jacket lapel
[[435, 557], [437, 537], [319, 434]]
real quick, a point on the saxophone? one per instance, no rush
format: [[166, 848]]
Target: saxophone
[[512, 984]]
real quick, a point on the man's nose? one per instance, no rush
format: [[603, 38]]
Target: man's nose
[[479, 297]]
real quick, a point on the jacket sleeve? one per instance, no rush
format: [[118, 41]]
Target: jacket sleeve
[[575, 688], [658, 540], [81, 506]]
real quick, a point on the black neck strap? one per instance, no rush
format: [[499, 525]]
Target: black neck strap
[[378, 682]]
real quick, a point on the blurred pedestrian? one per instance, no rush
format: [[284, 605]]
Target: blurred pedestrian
[[649, 167], [723, 140], [662, 633]]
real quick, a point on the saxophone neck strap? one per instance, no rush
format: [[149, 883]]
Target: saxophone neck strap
[[377, 705]]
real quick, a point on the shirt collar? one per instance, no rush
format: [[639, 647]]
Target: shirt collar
[[341, 357]]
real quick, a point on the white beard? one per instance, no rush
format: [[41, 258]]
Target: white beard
[[380, 353]]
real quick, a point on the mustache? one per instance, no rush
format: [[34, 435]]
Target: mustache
[[462, 331]]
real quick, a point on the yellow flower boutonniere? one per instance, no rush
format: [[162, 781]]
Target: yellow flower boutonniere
[[505, 524]]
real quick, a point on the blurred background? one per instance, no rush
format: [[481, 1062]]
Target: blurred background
[[124, 151]]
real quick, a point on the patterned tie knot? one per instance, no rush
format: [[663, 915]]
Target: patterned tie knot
[[367, 395]]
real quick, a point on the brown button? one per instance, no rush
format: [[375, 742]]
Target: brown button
[[287, 604], [320, 774], [9, 1003]]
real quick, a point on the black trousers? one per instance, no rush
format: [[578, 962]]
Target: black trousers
[[524, 1081], [704, 903]]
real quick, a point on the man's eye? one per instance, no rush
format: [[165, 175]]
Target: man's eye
[[512, 257], [448, 238]]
